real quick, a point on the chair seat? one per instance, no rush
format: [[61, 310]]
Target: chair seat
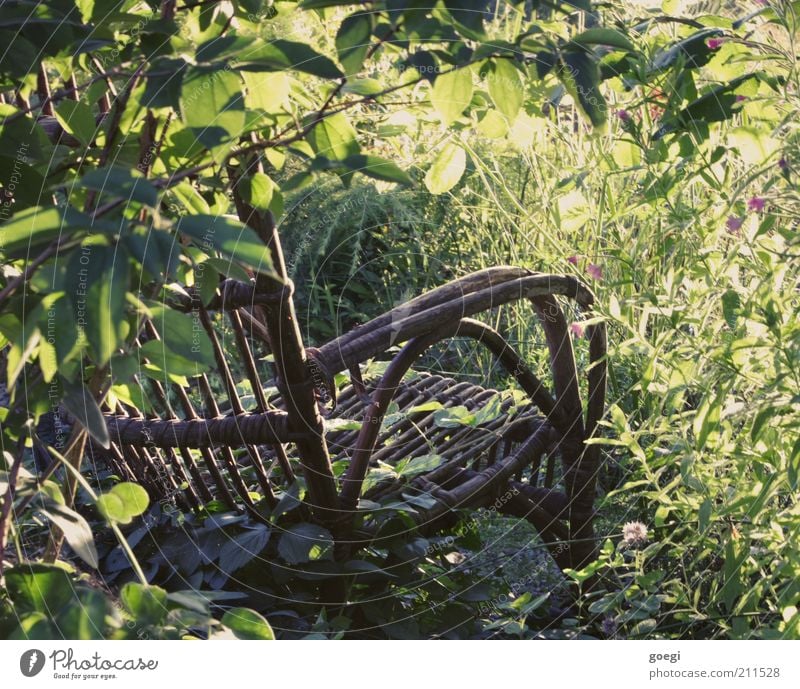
[[434, 426]]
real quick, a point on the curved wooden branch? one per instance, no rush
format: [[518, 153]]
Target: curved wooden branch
[[373, 416], [369, 340], [454, 289]]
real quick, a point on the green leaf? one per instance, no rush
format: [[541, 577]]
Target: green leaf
[[352, 41], [363, 87], [76, 530], [242, 548], [230, 237], [35, 626], [212, 106], [112, 508], [334, 138], [693, 51], [248, 624], [257, 190], [280, 54], [39, 588], [433, 405], [99, 280], [228, 269], [580, 75], [25, 195], [267, 91], [451, 93], [146, 604], [377, 168], [602, 36], [82, 405], [134, 498], [408, 468], [446, 170], [85, 618], [180, 334], [77, 119], [706, 421], [124, 183], [704, 515], [305, 542], [452, 417], [730, 307], [31, 228], [506, 88], [717, 105], [468, 17], [86, 8]]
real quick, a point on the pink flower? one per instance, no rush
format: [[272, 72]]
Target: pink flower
[[733, 224], [714, 43], [783, 164], [576, 329], [756, 204], [624, 115], [594, 271], [740, 98], [573, 260]]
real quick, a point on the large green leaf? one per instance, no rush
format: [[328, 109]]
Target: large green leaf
[[281, 54], [34, 227], [85, 619], [334, 138], [123, 502], [39, 588], [506, 88], [258, 190], [603, 36], [76, 530], [182, 334], [230, 237], [580, 74], [98, 278], [241, 549], [352, 41], [468, 16], [248, 624], [213, 106], [146, 604], [77, 119], [305, 542], [124, 183], [694, 51], [378, 168], [409, 468], [451, 93], [716, 105], [446, 170]]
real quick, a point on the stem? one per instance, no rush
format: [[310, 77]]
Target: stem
[[8, 501]]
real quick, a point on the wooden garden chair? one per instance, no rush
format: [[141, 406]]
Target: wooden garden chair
[[240, 456]]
